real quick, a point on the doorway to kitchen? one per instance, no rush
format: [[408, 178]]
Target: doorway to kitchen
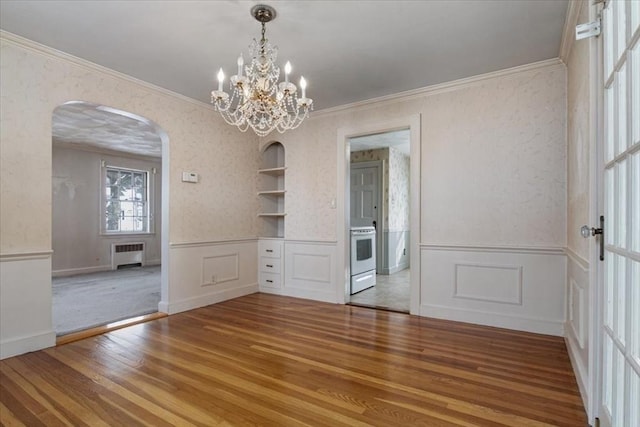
[[380, 206]]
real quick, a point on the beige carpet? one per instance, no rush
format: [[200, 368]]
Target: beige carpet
[[88, 300]]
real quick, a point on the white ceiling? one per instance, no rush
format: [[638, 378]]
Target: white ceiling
[[398, 139], [80, 124], [348, 51]]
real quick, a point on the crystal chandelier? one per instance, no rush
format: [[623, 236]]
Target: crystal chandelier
[[257, 100]]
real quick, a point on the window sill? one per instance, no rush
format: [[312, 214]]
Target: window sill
[[121, 235]]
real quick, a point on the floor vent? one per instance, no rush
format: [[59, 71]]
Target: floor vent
[[127, 255]]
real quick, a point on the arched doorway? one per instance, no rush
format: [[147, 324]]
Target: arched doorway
[[108, 220]]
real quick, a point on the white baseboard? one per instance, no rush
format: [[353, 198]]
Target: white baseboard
[[580, 372], [152, 262], [16, 346], [207, 299], [81, 270], [499, 320], [395, 269]]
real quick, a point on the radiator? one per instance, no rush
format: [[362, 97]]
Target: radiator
[[127, 254]]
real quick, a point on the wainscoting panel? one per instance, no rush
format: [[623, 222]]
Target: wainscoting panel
[[203, 273], [514, 288], [221, 268], [578, 320], [501, 284], [26, 288], [310, 269]]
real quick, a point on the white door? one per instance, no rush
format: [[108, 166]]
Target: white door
[[364, 196], [620, 324]]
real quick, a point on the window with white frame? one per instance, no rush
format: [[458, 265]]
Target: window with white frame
[[127, 208]]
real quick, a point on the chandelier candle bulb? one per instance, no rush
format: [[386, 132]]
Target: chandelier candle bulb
[[303, 86], [240, 64], [287, 71], [220, 79]]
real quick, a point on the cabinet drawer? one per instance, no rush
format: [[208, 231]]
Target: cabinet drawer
[[270, 265], [270, 280], [269, 248]]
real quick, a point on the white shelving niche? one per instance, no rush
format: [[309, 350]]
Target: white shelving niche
[[271, 190]]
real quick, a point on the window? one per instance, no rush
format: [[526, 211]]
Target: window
[[126, 201]]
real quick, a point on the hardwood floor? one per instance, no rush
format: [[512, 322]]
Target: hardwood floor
[[269, 360]]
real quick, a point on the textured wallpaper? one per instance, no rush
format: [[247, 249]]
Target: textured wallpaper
[[223, 205], [399, 191], [493, 162]]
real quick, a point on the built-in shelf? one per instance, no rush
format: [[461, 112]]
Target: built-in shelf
[[273, 171], [272, 193], [271, 190]]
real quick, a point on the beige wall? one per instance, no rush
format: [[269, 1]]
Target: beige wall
[[493, 166], [34, 81], [33, 84], [77, 240]]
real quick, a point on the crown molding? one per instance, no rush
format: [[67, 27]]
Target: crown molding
[[45, 50], [370, 103], [568, 32], [438, 88]]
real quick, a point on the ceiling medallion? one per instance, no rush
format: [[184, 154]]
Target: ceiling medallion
[[257, 100]]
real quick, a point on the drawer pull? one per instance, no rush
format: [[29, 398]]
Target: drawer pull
[[270, 265], [269, 281], [269, 250]]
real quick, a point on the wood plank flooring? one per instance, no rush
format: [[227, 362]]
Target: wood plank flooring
[[269, 360]]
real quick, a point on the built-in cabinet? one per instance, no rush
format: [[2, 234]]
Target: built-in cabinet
[[270, 264], [271, 191]]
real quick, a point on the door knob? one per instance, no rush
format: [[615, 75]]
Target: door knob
[[587, 232]]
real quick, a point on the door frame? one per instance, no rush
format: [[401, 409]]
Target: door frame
[[379, 165], [343, 215]]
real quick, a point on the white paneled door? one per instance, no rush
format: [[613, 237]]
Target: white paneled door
[[364, 194], [620, 325]]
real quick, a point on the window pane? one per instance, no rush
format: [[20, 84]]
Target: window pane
[[607, 364], [609, 208], [113, 215], [634, 397], [635, 23], [609, 137], [620, 27], [112, 177], [607, 25], [621, 214], [635, 87], [620, 294], [138, 180], [618, 388], [634, 315], [126, 179], [635, 202], [621, 112], [609, 283]]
